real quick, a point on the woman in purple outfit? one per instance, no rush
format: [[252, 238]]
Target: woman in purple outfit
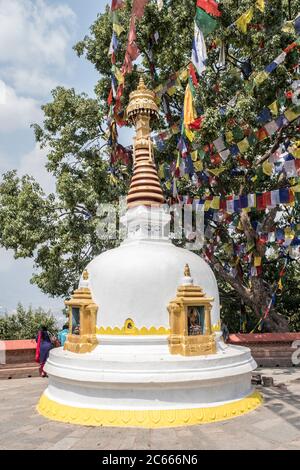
[[44, 345]]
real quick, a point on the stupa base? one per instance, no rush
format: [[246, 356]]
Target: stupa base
[[147, 418], [136, 382]]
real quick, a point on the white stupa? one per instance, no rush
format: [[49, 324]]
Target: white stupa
[[149, 352]]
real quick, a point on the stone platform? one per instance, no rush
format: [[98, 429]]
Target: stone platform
[[274, 426], [269, 349]]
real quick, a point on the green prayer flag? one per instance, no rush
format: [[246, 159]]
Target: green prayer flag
[[238, 133], [205, 22]]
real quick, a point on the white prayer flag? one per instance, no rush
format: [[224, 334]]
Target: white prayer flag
[[199, 53]]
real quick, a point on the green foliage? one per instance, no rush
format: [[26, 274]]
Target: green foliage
[[24, 324], [59, 231]]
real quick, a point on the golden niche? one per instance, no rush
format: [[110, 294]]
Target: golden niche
[[190, 320], [82, 320]]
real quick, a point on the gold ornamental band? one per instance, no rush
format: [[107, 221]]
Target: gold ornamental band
[[147, 418]]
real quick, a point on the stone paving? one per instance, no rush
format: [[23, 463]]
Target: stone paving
[[275, 425]]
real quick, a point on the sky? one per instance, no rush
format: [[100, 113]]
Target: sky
[[36, 39]]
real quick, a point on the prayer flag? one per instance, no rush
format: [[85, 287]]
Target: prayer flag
[[138, 7], [260, 5], [160, 4], [210, 6], [205, 22], [189, 110], [243, 21], [117, 4], [199, 52], [243, 145]]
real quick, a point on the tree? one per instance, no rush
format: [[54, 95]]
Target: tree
[[24, 324], [59, 231]]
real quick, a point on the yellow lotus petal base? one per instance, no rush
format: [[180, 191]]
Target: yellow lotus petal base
[[147, 418]]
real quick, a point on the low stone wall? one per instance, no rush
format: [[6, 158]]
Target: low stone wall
[[17, 351], [271, 349], [17, 359]]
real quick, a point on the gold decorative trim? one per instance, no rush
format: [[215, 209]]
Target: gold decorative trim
[[216, 327], [147, 418], [133, 331]]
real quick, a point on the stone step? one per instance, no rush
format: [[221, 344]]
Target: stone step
[[19, 371]]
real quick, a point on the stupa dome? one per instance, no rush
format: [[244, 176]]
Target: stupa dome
[[118, 276]]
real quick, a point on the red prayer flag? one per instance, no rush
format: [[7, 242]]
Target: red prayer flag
[[132, 51], [210, 6], [260, 202], [291, 195], [110, 97], [262, 134], [138, 7], [290, 47], [117, 4], [193, 74], [215, 159], [223, 204], [267, 199], [196, 125]]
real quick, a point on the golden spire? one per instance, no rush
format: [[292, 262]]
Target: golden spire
[[85, 275], [145, 187], [187, 271]]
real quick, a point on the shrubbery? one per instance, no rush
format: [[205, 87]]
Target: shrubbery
[[25, 323]]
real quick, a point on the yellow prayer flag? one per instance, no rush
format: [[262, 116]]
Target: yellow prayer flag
[[168, 184], [194, 155], [296, 189], [161, 172], [257, 261], [295, 152], [291, 115], [243, 21], [267, 168], [280, 286], [207, 204], [261, 77], [243, 145], [215, 203], [171, 91], [273, 107], [189, 110], [158, 88], [198, 166], [217, 171], [118, 29], [260, 4], [183, 75], [229, 137], [288, 27], [119, 76], [190, 134]]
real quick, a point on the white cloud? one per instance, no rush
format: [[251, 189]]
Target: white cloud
[[35, 36], [33, 164], [17, 112], [25, 80]]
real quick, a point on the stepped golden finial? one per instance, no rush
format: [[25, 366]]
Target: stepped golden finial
[[141, 85], [85, 275], [187, 271], [145, 189]]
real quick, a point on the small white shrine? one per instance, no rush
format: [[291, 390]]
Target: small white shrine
[[145, 347]]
